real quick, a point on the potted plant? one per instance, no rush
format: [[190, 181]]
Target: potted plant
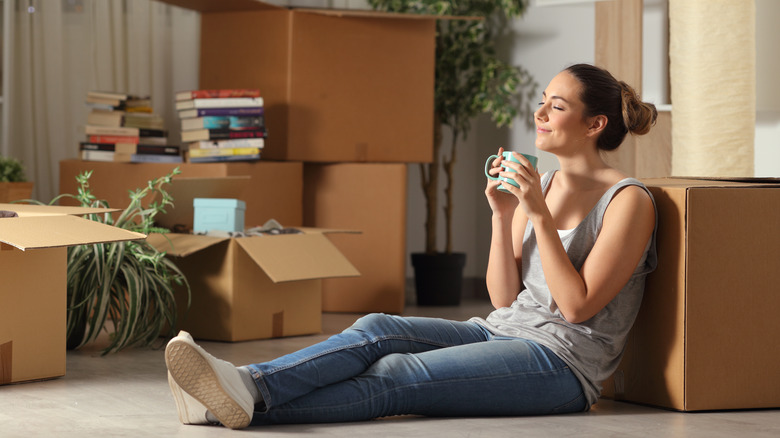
[[13, 183], [130, 284], [470, 80]]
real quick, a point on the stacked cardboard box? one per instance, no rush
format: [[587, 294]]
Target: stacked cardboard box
[[345, 106], [705, 337], [270, 189]]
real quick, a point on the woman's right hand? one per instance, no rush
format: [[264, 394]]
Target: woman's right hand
[[502, 203]]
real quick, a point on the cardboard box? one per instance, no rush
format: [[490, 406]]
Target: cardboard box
[[338, 85], [254, 287], [273, 190], [33, 272], [372, 199], [706, 334]]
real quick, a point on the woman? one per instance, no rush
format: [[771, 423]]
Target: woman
[[569, 254]]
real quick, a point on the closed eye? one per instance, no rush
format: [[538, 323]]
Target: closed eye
[[554, 107]]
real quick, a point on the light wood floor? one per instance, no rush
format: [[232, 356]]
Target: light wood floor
[[127, 395]]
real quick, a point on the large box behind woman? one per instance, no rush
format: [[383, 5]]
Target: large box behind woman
[[706, 334]]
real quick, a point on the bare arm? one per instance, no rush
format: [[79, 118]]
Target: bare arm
[[504, 270], [506, 243], [627, 227]]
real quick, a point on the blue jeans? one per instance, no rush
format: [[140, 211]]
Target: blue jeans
[[389, 365]]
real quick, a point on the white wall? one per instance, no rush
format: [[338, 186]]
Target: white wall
[[767, 146]]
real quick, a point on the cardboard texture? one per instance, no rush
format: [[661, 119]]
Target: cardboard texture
[[705, 337], [33, 306], [14, 191], [372, 199], [354, 86], [254, 287], [273, 190]]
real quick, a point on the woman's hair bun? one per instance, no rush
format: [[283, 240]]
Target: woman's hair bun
[[638, 116]]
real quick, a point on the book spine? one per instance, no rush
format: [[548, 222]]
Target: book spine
[[112, 139], [214, 94], [224, 122], [236, 143], [219, 158], [223, 151], [221, 134], [146, 132], [86, 146], [225, 134], [157, 150], [225, 102], [111, 130], [88, 155], [155, 158], [203, 112]]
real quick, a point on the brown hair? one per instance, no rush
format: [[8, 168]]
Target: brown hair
[[602, 94]]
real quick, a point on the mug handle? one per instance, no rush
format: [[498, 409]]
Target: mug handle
[[487, 167]]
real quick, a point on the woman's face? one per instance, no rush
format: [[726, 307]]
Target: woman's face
[[560, 125]]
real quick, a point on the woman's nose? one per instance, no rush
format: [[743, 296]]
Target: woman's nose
[[540, 113]]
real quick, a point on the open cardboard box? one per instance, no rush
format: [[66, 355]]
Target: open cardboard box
[[255, 287], [706, 334], [337, 85], [33, 272]]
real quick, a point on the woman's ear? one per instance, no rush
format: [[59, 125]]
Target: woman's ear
[[596, 124]]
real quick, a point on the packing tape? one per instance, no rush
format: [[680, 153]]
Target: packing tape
[[712, 64]]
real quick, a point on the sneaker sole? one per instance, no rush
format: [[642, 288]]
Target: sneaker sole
[[193, 373]]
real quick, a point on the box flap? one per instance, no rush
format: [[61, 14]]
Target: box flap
[[24, 210], [185, 190], [182, 245], [309, 230], [290, 257], [64, 230]]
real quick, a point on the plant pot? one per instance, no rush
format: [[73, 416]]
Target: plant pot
[[438, 278], [14, 191]]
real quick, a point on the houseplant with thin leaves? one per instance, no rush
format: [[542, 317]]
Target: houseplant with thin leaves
[[470, 79], [130, 284]]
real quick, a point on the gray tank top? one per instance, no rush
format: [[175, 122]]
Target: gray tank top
[[593, 348]]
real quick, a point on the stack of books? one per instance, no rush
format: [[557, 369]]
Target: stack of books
[[122, 127], [222, 125]]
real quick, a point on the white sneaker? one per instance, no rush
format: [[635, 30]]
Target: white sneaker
[[213, 383], [190, 410]]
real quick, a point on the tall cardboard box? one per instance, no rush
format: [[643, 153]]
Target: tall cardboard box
[[273, 189], [338, 85], [33, 271], [370, 198], [254, 287], [706, 334]]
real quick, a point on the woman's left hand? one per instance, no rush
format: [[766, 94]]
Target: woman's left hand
[[529, 186]]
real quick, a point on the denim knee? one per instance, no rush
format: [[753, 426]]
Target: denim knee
[[369, 323]]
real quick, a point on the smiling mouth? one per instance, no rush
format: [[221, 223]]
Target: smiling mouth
[[542, 130]]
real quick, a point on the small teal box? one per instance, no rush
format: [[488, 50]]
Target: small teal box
[[218, 214]]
